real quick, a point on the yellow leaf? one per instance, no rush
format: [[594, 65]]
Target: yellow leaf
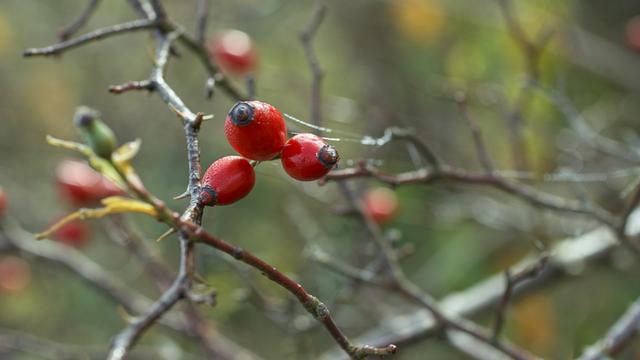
[[126, 152], [112, 205]]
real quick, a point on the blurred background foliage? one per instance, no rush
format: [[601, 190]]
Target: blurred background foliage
[[387, 63]]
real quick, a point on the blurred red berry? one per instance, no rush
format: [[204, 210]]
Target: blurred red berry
[[227, 180], [381, 204], [308, 157], [74, 233], [3, 202], [256, 130], [81, 185], [15, 274], [233, 51], [633, 32]]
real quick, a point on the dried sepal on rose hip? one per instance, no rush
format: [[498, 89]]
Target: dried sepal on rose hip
[[79, 184], [226, 181], [381, 204], [233, 51], [308, 157], [256, 130]]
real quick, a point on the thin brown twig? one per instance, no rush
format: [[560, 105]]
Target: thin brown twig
[[314, 306], [409, 327], [127, 338], [621, 228], [531, 52], [130, 86], [119, 29], [306, 36], [182, 284], [456, 175], [132, 241], [397, 279], [113, 289], [150, 22], [221, 80], [584, 131], [422, 147], [80, 21], [158, 9], [511, 281], [476, 134], [617, 337], [399, 283], [202, 15]]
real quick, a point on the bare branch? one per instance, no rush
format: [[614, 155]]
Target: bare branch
[[400, 284], [314, 306], [585, 132], [77, 263], [131, 85], [511, 281], [455, 175], [531, 52], [202, 16], [476, 134], [220, 80], [79, 22], [618, 336], [306, 36], [182, 284], [125, 340], [124, 28], [423, 148], [564, 258]]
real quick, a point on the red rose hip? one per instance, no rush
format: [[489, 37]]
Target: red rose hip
[[256, 130], [15, 274], [81, 185], [233, 50], [381, 204], [74, 233], [308, 157], [226, 181]]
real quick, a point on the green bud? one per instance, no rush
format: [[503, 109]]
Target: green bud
[[95, 132]]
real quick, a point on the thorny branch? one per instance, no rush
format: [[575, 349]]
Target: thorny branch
[[189, 223], [165, 34], [182, 284]]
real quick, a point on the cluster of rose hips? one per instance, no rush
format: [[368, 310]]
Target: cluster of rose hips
[[304, 157], [257, 131]]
